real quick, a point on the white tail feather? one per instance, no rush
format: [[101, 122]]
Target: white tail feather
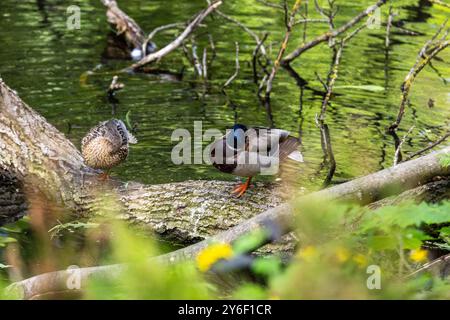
[[131, 139], [296, 156]]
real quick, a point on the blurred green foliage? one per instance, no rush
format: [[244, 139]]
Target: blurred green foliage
[[337, 244]]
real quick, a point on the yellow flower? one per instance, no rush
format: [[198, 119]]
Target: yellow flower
[[360, 260], [210, 255], [418, 255], [307, 253], [342, 254]]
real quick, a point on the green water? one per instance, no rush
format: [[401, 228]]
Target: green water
[[62, 74]]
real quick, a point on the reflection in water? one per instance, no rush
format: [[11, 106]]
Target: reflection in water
[[328, 156]]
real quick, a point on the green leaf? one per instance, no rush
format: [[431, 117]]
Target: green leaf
[[382, 242], [128, 120], [413, 238], [444, 160], [371, 88], [406, 215], [268, 267], [444, 232], [250, 242], [250, 291], [5, 240], [4, 266]]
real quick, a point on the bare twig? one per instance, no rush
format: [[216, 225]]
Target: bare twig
[[427, 266], [310, 20], [179, 40], [388, 27], [255, 55], [350, 35], [236, 72], [440, 3], [205, 63], [244, 27], [429, 147], [325, 140], [270, 4], [332, 76], [328, 16], [156, 30], [398, 151], [330, 34], [323, 83], [197, 65], [261, 85], [175, 25], [405, 31], [115, 86], [289, 24], [305, 18], [426, 54], [213, 50]]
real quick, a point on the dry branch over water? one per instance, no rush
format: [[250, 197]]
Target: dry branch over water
[[178, 40]]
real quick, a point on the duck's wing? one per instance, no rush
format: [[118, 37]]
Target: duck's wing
[[96, 132], [289, 149], [265, 139], [119, 133], [111, 133], [100, 136], [260, 138]]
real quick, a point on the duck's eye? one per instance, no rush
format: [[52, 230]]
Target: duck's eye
[[236, 139]]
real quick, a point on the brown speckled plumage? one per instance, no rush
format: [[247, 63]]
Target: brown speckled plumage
[[106, 145]]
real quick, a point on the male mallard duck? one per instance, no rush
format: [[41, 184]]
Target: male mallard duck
[[106, 145], [246, 152]]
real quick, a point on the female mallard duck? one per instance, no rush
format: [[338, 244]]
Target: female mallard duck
[[106, 145], [246, 152]]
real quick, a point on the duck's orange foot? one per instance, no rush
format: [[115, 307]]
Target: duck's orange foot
[[240, 189]]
